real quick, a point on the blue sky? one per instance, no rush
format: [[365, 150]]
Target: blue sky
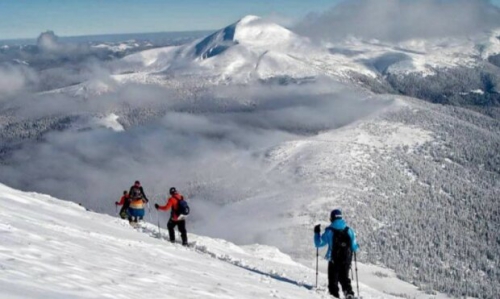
[[27, 18]]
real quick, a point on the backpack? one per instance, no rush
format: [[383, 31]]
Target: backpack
[[182, 206], [135, 193], [341, 246]]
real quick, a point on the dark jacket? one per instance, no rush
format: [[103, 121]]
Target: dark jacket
[[141, 192]]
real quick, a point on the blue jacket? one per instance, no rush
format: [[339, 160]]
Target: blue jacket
[[327, 237]]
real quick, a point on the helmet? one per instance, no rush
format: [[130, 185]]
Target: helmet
[[172, 191], [335, 214]]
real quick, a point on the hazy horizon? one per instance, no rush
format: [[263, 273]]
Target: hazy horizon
[[99, 37]]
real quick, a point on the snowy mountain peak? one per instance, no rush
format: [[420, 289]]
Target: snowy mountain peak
[[252, 30], [249, 31], [248, 19]]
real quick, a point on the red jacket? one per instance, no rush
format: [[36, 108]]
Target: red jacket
[[122, 200], [172, 203]]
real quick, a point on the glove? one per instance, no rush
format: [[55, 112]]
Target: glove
[[116, 203], [156, 206], [317, 229], [146, 200]]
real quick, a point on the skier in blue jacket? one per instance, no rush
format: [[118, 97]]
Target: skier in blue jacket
[[341, 241]]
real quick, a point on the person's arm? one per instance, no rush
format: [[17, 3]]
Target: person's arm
[[122, 201], [322, 240], [168, 206], [354, 242], [144, 194]]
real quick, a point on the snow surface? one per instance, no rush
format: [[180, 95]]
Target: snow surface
[[117, 48], [88, 89], [349, 146], [110, 122], [477, 91], [56, 249]]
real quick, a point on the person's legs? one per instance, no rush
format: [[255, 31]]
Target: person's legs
[[130, 215], [140, 214], [171, 233], [123, 213], [183, 231], [333, 279], [344, 280]]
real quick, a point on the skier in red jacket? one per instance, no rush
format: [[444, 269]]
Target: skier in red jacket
[[176, 219], [125, 204]]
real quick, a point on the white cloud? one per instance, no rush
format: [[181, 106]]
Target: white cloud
[[398, 20], [48, 41], [15, 79]]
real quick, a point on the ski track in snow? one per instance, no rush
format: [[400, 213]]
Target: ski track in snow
[[56, 249]]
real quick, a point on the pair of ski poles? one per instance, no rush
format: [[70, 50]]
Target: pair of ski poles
[[352, 274]]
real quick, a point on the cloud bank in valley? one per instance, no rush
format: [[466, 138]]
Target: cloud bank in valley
[[212, 145], [398, 20]]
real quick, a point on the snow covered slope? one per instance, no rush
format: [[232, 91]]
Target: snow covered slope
[[56, 249], [420, 56]]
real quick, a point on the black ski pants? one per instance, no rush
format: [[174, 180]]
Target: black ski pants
[[339, 273], [182, 229]]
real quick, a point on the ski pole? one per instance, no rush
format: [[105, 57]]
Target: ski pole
[[159, 231], [317, 258], [149, 212], [356, 267]]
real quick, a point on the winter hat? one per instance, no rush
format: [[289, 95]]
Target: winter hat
[[173, 191], [137, 183], [336, 214], [125, 192]]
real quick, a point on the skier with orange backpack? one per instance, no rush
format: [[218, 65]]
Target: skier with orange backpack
[[136, 198], [179, 210]]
